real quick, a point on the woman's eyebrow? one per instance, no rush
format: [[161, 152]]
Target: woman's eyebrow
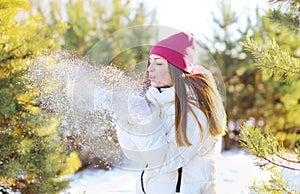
[[156, 58]]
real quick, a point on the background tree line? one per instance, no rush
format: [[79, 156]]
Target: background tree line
[[278, 58], [252, 95], [32, 158]]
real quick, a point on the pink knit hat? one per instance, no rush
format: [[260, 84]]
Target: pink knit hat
[[177, 49]]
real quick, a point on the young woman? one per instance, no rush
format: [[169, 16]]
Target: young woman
[[179, 141]]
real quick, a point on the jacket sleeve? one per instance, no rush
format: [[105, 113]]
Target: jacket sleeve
[[136, 136], [160, 151], [155, 143]]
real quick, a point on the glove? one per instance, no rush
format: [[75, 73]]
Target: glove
[[102, 99], [139, 110]]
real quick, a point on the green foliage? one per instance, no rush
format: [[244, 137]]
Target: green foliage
[[32, 159], [241, 78], [94, 32], [99, 148], [67, 83], [279, 62], [94, 21], [275, 185], [288, 18], [276, 53], [265, 95], [273, 157], [273, 60], [266, 147]]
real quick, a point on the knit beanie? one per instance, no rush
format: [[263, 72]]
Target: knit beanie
[[179, 50]]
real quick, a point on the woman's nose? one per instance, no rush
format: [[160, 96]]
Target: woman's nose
[[151, 67]]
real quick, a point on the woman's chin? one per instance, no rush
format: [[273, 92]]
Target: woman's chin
[[156, 85], [160, 85]]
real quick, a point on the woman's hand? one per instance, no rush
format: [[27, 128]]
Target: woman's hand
[[102, 99], [139, 110]]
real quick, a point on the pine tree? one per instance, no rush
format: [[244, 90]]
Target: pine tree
[[93, 33], [32, 159], [240, 75], [282, 64], [93, 21], [270, 102]]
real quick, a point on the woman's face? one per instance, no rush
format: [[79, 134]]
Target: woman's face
[[159, 73]]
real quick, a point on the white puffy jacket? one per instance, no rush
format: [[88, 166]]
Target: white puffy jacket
[[153, 144]]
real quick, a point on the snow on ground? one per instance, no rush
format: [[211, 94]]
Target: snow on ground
[[237, 171]]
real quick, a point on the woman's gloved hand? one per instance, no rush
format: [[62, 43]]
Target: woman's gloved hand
[[138, 110], [102, 99]]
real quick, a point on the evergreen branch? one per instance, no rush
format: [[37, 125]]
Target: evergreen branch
[[284, 70], [27, 103], [289, 20], [3, 61], [263, 146], [13, 4], [275, 185], [14, 49], [13, 57], [286, 159], [273, 162], [280, 188], [278, 164], [282, 56], [272, 58]]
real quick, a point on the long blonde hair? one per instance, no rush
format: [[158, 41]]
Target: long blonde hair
[[199, 90], [204, 95]]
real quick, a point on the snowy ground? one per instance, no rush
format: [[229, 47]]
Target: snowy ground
[[237, 173]]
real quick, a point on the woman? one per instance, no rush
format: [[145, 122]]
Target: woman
[[179, 140]]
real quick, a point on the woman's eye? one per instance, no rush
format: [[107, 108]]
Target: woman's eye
[[159, 64]]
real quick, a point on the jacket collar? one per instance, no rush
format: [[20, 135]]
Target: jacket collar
[[163, 97]]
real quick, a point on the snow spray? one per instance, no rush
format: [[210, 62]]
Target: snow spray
[[87, 93]]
